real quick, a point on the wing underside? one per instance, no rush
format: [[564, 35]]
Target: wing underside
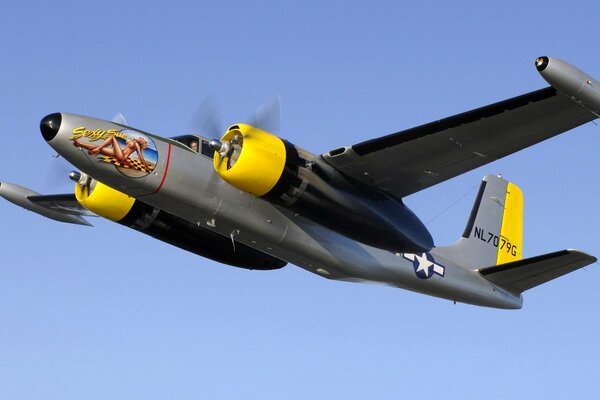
[[64, 203], [408, 161]]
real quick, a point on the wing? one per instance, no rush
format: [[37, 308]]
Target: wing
[[59, 207], [405, 162], [64, 203], [525, 274]]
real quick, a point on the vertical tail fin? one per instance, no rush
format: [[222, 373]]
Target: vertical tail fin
[[494, 231], [493, 240]]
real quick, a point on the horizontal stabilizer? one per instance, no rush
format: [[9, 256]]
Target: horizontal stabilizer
[[522, 275]]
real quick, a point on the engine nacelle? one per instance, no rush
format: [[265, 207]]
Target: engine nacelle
[[128, 211], [103, 200], [266, 166], [251, 159]]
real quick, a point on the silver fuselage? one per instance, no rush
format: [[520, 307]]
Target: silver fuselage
[[184, 183]]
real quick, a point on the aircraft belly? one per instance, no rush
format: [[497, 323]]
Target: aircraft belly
[[193, 192]]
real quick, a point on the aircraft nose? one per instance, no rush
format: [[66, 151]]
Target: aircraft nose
[[49, 125]]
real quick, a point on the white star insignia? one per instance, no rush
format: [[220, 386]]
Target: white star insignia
[[424, 264]]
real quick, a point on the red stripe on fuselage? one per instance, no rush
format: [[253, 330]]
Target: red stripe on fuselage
[[166, 169]]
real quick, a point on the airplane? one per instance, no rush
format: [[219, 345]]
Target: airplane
[[254, 200]]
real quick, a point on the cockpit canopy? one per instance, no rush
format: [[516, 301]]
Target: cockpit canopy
[[195, 143]]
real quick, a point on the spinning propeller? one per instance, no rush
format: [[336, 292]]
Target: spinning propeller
[[267, 117]]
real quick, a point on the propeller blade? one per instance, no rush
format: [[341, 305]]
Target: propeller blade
[[206, 118], [57, 172], [268, 116], [119, 119]]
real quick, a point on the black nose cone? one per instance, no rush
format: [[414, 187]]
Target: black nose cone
[[49, 125]]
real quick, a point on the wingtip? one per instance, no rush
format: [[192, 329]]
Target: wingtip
[[590, 257], [82, 221]]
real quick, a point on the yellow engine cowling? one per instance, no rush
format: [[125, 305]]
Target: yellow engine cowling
[[254, 163], [104, 200]]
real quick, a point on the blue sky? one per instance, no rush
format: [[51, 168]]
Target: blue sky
[[105, 312]]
